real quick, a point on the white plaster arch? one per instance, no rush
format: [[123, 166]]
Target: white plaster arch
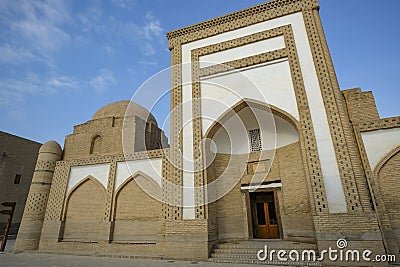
[[152, 168], [384, 160], [379, 143], [75, 187], [232, 137], [133, 177], [97, 171]]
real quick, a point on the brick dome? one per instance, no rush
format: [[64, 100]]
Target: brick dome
[[51, 147], [125, 107]]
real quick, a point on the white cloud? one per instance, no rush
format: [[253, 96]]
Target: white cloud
[[149, 63], [103, 81], [42, 36], [34, 30], [152, 29], [39, 23], [146, 35], [14, 55], [62, 82], [147, 49], [125, 4], [18, 90], [109, 50], [90, 20]]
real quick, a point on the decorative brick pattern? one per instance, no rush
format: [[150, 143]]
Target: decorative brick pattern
[[255, 140], [175, 174], [379, 124], [57, 192], [110, 190], [307, 137], [239, 19], [36, 202], [245, 62], [335, 112], [45, 166]]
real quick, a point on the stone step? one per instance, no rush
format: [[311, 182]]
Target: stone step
[[271, 245], [242, 256], [254, 250], [248, 261], [246, 252], [233, 256]]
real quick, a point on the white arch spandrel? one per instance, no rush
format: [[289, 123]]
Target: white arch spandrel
[[151, 167], [97, 171], [379, 143]]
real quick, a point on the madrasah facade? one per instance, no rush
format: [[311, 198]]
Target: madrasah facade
[[269, 149]]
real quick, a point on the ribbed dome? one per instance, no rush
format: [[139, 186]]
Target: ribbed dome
[[120, 108]]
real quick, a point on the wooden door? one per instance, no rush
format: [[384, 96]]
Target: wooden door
[[266, 218]]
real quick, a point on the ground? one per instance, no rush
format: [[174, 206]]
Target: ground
[[51, 260]]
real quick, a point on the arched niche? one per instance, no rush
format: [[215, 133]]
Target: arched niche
[[96, 144], [137, 211], [387, 177], [84, 211], [136, 198], [232, 132]]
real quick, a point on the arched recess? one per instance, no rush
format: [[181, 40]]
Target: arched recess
[[84, 211], [136, 209], [247, 115], [387, 178], [96, 144], [246, 102], [286, 164], [385, 174]]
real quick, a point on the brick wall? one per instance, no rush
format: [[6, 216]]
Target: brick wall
[[17, 156]]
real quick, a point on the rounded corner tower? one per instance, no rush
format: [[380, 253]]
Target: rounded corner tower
[[28, 237]]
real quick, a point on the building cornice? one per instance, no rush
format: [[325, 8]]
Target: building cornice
[[245, 17]]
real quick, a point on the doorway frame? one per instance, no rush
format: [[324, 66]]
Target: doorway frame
[[250, 210]]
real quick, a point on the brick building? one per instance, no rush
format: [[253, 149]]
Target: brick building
[[268, 148], [17, 162]]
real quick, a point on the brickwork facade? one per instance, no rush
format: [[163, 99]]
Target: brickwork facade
[[100, 211]]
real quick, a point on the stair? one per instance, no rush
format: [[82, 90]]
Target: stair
[[246, 252]]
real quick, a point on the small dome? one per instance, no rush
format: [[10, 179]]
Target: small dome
[[119, 109], [51, 147]]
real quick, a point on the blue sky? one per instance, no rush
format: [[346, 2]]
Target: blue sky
[[60, 61]]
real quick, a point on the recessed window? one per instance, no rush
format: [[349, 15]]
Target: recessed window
[[255, 140], [95, 147], [148, 127], [17, 179]]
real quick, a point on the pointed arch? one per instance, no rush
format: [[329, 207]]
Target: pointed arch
[[386, 177], [136, 214], [75, 187], [292, 173], [149, 190], [84, 210], [133, 177], [247, 102], [96, 144], [252, 125], [386, 182], [383, 161]]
